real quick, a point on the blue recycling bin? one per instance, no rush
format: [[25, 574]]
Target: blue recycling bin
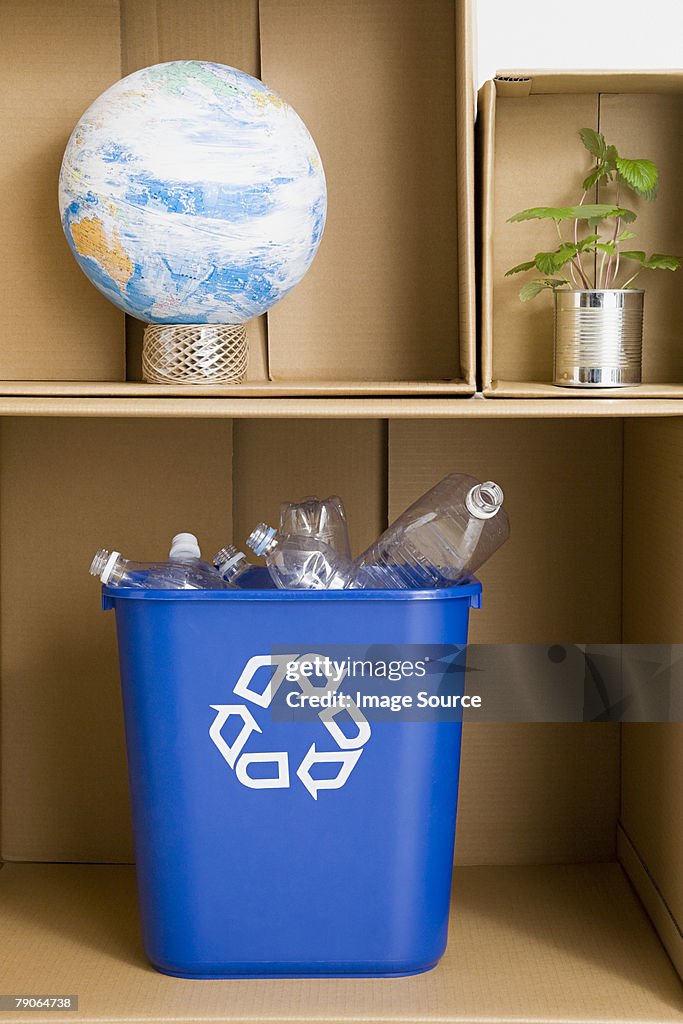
[[267, 847]]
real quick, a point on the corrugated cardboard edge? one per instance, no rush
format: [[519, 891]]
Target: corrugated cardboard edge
[[658, 910], [464, 123], [543, 82], [487, 135]]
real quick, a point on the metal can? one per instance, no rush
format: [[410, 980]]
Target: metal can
[[598, 338]]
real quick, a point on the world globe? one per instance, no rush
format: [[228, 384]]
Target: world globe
[[190, 193]]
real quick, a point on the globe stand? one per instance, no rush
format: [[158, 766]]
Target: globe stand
[[194, 353]]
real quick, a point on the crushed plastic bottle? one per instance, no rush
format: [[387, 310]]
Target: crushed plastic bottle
[[322, 519], [301, 563], [185, 569], [443, 538], [234, 567]]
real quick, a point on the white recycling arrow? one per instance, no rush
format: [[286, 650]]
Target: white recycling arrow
[[231, 751], [277, 661], [279, 781], [346, 758], [327, 717]]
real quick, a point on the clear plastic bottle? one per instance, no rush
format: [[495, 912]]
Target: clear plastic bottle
[[234, 567], [440, 540], [301, 563], [188, 574], [322, 519]]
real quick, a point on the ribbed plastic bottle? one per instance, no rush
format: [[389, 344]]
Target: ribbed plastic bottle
[[440, 540], [184, 570], [323, 519], [301, 563]]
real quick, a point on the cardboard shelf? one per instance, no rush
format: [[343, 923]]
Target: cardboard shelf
[[518, 113], [542, 944], [249, 389], [536, 389], [129, 400]]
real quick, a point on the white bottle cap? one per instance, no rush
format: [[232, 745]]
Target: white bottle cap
[[184, 546]]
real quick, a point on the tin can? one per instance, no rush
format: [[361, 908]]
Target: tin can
[[598, 338]]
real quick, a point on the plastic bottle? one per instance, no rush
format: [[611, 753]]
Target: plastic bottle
[[185, 549], [301, 563], [323, 520], [440, 540], [189, 573], [234, 567]]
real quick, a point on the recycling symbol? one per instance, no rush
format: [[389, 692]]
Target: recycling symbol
[[346, 756]]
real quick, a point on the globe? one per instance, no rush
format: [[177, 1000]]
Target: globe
[[190, 193]]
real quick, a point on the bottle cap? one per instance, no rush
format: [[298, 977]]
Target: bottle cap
[[184, 546], [260, 540]]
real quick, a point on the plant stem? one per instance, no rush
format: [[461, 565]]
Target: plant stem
[[572, 265], [616, 267], [599, 278], [632, 278], [586, 283], [609, 275], [576, 242]]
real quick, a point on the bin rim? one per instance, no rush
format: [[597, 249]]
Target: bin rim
[[470, 590]]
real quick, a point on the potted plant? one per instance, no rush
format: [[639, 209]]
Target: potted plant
[[598, 311]]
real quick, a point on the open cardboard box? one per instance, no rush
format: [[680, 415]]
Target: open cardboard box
[[386, 90], [554, 820], [557, 823], [529, 155]]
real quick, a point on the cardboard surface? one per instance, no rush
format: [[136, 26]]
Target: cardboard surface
[[542, 944], [275, 462], [652, 755], [66, 491], [118, 405], [377, 85], [56, 58], [534, 793], [640, 113], [225, 31], [658, 909]]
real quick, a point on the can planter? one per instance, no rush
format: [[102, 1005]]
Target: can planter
[[598, 338]]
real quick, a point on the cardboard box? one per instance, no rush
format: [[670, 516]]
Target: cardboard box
[[387, 92], [530, 155], [553, 819], [558, 824]]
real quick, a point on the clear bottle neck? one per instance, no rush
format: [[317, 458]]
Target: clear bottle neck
[[484, 501]]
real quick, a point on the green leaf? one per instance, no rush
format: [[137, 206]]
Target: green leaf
[[547, 262], [594, 142], [627, 216], [651, 193], [636, 254], [658, 261], [625, 236], [640, 175], [532, 289], [594, 177], [585, 243], [520, 267], [588, 212], [611, 157], [608, 247]]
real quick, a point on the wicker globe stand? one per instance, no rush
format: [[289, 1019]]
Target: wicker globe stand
[[194, 354]]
